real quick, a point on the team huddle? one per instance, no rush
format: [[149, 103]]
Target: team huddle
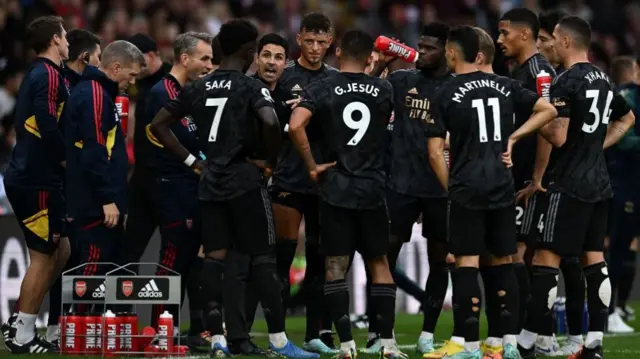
[[360, 153]]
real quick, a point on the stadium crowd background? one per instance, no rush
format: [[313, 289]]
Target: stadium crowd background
[[616, 25]]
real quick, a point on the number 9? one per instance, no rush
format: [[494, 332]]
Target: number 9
[[361, 126]]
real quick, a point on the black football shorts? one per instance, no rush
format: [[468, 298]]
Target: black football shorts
[[481, 232], [533, 218], [404, 210], [306, 204], [572, 227], [41, 215], [244, 223], [346, 230]]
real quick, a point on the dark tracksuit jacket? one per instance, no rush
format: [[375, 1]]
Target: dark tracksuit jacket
[[96, 155]]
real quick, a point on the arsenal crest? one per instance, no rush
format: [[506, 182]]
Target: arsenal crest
[[127, 288], [81, 288]]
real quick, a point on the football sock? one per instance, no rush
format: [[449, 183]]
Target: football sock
[[574, 284], [267, 285], [285, 252], [435, 290], [211, 285], [26, 325], [314, 282], [492, 307], [524, 283], [544, 290], [598, 299], [196, 305], [384, 300], [336, 294], [467, 296], [507, 299], [627, 277], [371, 310]]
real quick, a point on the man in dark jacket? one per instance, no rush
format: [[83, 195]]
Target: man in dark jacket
[[33, 181], [96, 155], [84, 50], [142, 222]]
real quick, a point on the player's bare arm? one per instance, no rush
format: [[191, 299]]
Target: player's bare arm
[[299, 120], [436, 146], [543, 152], [543, 114], [270, 135], [556, 131], [161, 128], [617, 129]]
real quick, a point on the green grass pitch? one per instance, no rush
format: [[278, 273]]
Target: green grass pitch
[[407, 330]]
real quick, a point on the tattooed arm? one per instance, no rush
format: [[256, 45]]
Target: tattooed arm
[[556, 131]]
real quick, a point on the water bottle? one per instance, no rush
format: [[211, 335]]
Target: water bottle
[[560, 311]]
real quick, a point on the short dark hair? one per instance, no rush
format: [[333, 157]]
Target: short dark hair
[[438, 30], [357, 45], [315, 22], [41, 30], [274, 39], [81, 40], [523, 16], [236, 33], [619, 66], [187, 42], [549, 20], [217, 51], [485, 45], [466, 39], [580, 29]]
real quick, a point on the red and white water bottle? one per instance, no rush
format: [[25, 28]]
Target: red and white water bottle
[[111, 333], [165, 332], [392, 47], [72, 334], [543, 84], [122, 106]]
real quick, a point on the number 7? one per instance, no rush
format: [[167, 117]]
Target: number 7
[[219, 104]]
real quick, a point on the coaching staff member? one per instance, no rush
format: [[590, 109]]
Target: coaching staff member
[[142, 222], [96, 155]]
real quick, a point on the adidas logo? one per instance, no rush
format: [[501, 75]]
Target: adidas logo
[[100, 291], [150, 290], [296, 88], [413, 91]]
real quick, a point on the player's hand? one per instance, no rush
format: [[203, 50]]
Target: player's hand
[[294, 102], [506, 156], [319, 170], [111, 215], [197, 167], [267, 171], [524, 194]]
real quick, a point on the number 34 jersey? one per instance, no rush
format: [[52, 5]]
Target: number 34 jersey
[[585, 95], [478, 109], [354, 109], [223, 105]]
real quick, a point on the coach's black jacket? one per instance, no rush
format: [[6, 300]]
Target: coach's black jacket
[[96, 154]]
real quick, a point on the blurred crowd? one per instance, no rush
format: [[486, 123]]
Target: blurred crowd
[[616, 24]]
